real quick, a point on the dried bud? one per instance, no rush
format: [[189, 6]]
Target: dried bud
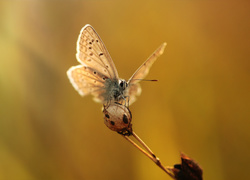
[[187, 170], [118, 117]]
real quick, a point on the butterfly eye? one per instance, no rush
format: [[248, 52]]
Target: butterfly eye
[[123, 84]]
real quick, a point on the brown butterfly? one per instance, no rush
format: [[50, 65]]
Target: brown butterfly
[[97, 74]]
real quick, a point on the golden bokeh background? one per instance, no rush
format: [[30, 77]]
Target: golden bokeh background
[[200, 104]]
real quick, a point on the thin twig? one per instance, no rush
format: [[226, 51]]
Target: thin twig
[[144, 145], [138, 147], [149, 154]]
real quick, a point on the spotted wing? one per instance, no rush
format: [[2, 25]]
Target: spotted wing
[[91, 52], [87, 81]]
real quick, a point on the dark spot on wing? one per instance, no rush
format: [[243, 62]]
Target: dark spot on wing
[[100, 54], [112, 122]]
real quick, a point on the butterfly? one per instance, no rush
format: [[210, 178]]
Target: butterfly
[[97, 75]]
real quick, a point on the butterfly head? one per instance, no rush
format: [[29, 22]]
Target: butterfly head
[[123, 84]]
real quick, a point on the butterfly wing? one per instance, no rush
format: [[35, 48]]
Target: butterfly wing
[[141, 73], [92, 53], [96, 66], [133, 91], [87, 81], [143, 70]]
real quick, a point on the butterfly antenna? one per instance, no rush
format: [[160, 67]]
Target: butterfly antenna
[[146, 79]]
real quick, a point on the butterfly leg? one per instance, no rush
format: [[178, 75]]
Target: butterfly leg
[[107, 104], [128, 100], [125, 101]]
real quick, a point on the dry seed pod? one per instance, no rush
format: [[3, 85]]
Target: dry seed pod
[[118, 117]]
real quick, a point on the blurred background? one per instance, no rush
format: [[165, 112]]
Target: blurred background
[[200, 104]]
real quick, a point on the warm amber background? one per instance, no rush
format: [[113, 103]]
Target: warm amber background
[[200, 105]]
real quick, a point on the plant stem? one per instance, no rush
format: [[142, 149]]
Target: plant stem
[[149, 154]]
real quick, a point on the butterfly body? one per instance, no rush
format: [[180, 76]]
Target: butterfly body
[[97, 74], [115, 90]]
